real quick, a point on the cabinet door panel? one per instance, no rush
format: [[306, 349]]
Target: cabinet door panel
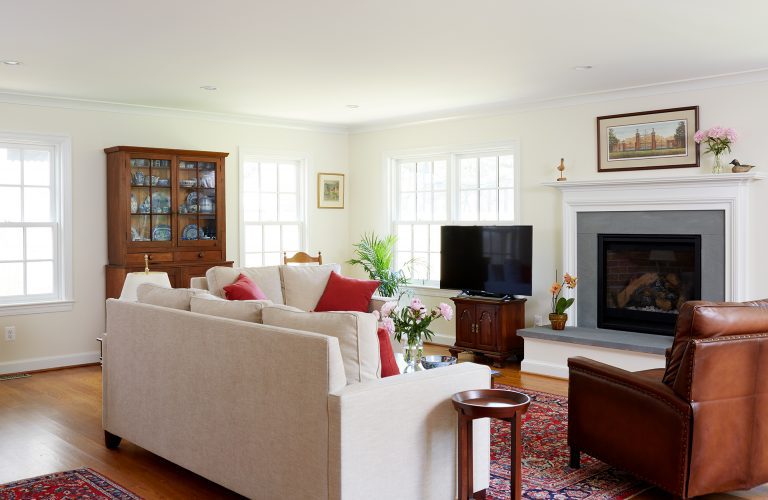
[[487, 326], [465, 321]]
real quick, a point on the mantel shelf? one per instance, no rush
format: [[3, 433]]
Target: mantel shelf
[[699, 179]]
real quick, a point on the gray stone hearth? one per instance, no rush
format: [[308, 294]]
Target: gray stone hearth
[[710, 224]]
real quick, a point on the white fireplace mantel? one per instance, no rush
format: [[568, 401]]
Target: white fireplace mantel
[[726, 192]]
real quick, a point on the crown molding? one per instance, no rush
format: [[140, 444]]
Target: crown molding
[[24, 99], [512, 107], [483, 110]]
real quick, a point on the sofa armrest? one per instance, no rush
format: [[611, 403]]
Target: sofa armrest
[[396, 437], [632, 422], [199, 282]]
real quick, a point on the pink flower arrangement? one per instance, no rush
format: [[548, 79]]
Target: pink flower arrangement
[[718, 139], [412, 321]]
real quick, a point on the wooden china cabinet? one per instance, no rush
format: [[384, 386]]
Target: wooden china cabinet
[[167, 204], [489, 327]]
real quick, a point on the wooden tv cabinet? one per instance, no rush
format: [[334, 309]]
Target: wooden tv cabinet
[[489, 327]]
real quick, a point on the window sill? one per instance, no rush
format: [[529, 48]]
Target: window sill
[[433, 291], [36, 307]]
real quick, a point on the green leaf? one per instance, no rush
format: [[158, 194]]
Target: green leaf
[[563, 304]]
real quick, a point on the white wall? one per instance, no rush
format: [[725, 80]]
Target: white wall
[[66, 336], [546, 135]]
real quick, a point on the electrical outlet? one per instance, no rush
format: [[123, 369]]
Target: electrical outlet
[[10, 333]]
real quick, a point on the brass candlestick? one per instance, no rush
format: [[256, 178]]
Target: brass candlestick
[[561, 168], [146, 264]]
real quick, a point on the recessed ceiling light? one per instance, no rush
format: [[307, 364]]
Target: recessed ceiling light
[[582, 68], [353, 106], [209, 87], [12, 63]]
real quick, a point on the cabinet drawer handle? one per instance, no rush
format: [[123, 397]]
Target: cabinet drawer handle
[[200, 255]]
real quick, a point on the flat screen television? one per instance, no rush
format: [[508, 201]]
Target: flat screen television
[[487, 260]]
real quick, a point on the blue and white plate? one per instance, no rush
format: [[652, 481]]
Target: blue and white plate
[[161, 232], [190, 232], [192, 198]]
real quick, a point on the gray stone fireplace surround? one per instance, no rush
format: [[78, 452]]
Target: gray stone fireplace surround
[[710, 224]]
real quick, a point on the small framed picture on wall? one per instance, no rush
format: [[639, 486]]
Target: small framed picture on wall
[[330, 190]]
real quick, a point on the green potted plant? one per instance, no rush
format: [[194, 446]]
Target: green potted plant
[[375, 255]]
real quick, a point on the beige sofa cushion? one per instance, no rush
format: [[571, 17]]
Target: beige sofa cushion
[[355, 331], [304, 285], [244, 310], [268, 279], [175, 298]]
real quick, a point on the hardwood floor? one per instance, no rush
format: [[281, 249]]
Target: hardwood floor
[[52, 422]]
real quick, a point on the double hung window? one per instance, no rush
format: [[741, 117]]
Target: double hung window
[[272, 220], [34, 224], [463, 187]]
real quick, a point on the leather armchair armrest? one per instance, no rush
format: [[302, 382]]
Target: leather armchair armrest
[[629, 421]]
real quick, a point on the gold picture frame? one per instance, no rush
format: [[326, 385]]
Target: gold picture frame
[[330, 190], [661, 138]]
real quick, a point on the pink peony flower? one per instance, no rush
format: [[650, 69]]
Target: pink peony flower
[[388, 324], [731, 134], [446, 311], [416, 304], [387, 308], [716, 132], [700, 136]]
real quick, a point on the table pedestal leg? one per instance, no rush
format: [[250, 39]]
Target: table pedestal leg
[[515, 483], [466, 462]]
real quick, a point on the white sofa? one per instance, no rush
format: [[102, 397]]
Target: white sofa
[[269, 412]]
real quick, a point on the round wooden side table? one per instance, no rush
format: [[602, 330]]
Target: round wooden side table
[[489, 403]]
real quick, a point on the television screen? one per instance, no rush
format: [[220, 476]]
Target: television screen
[[495, 260]]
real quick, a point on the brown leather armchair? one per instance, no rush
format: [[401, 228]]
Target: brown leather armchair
[[698, 426]]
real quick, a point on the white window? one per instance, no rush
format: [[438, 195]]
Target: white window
[[272, 198], [35, 273], [462, 187]]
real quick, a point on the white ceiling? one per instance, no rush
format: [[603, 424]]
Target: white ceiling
[[308, 59]]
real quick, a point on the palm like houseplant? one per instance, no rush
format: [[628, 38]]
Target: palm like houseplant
[[375, 255]]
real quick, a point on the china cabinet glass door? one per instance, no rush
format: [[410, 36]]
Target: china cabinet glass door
[[197, 219], [150, 200]]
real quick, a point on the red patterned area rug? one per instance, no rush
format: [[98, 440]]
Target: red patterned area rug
[[80, 484], [545, 470]]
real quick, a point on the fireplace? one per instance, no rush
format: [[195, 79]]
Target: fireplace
[[643, 279]]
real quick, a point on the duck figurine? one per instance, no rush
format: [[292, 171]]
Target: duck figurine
[[738, 168]]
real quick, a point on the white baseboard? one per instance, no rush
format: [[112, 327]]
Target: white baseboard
[[32, 364], [445, 340], [542, 368]]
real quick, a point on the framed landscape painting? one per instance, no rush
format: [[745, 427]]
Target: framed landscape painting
[[648, 140], [330, 190]]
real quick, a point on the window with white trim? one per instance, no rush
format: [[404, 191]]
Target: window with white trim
[[34, 226], [469, 188], [272, 198]]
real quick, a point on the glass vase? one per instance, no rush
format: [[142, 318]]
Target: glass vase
[[718, 167], [412, 354]]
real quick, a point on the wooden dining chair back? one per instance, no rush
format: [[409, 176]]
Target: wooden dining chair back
[[303, 258]]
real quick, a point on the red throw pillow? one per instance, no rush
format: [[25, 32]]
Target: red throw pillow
[[346, 294], [388, 364], [244, 289]]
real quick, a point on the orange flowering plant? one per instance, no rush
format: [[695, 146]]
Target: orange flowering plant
[[560, 304]]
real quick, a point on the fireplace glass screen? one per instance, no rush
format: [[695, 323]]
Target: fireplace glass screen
[[643, 280]]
